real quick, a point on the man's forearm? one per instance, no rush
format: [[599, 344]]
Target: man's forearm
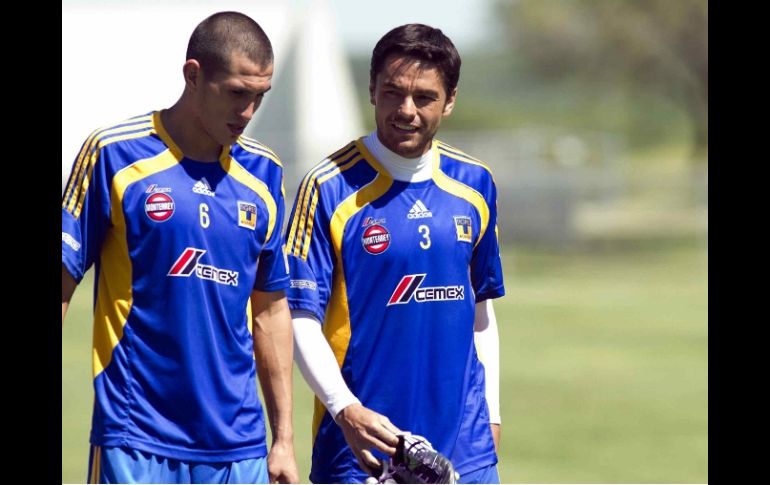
[[488, 346], [68, 285], [273, 349], [363, 428], [318, 365]]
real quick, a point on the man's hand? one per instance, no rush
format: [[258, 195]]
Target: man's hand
[[281, 464], [364, 429], [416, 461], [273, 353]]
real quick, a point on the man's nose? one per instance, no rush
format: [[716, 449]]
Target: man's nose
[[249, 111], [407, 108]]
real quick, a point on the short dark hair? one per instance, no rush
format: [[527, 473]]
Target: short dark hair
[[422, 42], [216, 38]]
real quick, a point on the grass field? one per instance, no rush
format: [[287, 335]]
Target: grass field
[[604, 369]]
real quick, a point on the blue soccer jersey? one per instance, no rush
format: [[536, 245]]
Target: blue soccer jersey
[[178, 246], [393, 270]]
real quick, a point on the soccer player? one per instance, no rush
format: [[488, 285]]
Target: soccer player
[[394, 262], [182, 217]]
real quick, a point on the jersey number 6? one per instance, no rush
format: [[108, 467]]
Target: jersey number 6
[[204, 213]]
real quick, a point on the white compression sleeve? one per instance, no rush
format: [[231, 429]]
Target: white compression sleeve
[[488, 348], [318, 364]]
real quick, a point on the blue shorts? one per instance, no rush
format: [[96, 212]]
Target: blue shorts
[[482, 475], [126, 465]]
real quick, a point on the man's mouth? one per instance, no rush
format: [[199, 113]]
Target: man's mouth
[[235, 129], [405, 128]]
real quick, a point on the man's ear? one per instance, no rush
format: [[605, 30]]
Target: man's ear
[[450, 103], [192, 73]]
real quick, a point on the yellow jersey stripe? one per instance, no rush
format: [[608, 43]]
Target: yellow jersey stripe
[[292, 226], [298, 223], [303, 194], [89, 168], [370, 158], [165, 137], [89, 145], [352, 205], [336, 329], [236, 170], [471, 161], [114, 295], [458, 152], [366, 154], [274, 160], [75, 210], [303, 188], [79, 183], [91, 141], [76, 175], [299, 220], [258, 144], [257, 147], [337, 323], [463, 157], [314, 202], [462, 191], [260, 151]]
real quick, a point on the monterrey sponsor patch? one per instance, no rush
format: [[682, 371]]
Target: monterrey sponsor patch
[[247, 215], [375, 239], [159, 206], [463, 227]]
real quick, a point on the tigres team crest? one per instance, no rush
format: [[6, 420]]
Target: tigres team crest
[[247, 215], [463, 227]]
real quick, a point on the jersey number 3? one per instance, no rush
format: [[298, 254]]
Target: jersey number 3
[[425, 231]]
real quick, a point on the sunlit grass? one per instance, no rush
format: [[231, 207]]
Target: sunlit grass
[[604, 369]]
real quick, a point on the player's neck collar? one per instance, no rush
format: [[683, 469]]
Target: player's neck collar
[[400, 168]]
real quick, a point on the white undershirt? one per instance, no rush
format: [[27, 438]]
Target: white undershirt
[[315, 358], [400, 168]]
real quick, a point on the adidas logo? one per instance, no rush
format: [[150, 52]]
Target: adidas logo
[[419, 211], [202, 187]]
